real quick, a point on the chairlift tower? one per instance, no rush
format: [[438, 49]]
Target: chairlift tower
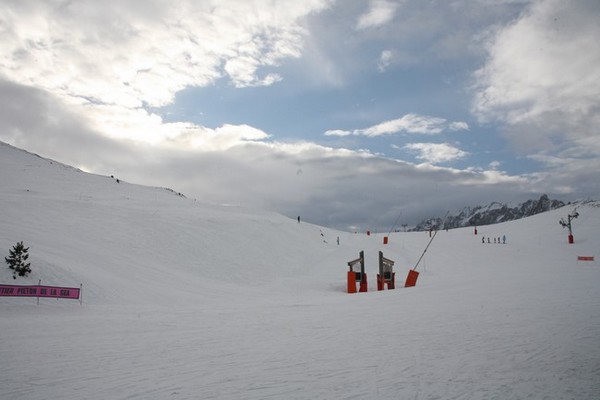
[[567, 224]]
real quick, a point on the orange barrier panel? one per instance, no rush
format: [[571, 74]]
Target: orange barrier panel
[[585, 258], [390, 282], [351, 282], [411, 279], [364, 287]]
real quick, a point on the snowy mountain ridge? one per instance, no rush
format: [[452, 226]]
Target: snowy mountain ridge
[[490, 214]]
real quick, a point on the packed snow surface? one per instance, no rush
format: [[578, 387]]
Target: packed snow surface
[[187, 300]]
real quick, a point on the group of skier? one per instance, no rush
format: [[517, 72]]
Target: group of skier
[[496, 240]]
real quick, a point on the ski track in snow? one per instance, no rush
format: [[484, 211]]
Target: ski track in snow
[[183, 300]]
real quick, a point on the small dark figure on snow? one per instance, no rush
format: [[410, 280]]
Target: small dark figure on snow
[[503, 239], [298, 219], [483, 239], [488, 240]]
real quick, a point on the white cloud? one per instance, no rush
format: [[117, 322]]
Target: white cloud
[[542, 77], [458, 126], [384, 60], [113, 59], [494, 165], [542, 82], [435, 153], [380, 13], [337, 132], [409, 123]]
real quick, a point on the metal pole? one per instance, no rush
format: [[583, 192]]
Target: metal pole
[[430, 240]]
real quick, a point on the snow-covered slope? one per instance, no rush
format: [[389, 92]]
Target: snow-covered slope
[[120, 239], [187, 300]]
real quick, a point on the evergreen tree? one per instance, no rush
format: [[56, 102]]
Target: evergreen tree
[[17, 260]]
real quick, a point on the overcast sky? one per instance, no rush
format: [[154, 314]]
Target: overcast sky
[[353, 114]]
